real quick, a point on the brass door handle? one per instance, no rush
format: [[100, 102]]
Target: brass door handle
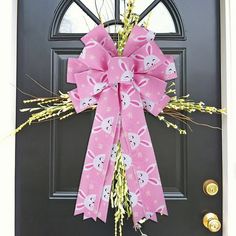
[[211, 222], [210, 187]]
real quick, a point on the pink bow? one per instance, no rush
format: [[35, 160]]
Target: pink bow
[[121, 87]]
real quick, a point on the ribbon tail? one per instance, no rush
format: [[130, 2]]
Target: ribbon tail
[[149, 181], [133, 186], [143, 173], [153, 217], [104, 204], [97, 157]]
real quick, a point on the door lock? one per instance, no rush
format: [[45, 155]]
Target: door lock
[[210, 187], [211, 222]]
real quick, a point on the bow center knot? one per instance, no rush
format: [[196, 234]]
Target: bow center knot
[[120, 70]]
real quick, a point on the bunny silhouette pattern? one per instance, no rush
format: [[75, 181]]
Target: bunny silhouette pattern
[[128, 74], [114, 150], [97, 161], [134, 198], [106, 193], [88, 201], [170, 69], [135, 139], [105, 124], [145, 37], [150, 60], [144, 177], [97, 87], [126, 99], [148, 104], [87, 102], [127, 161]]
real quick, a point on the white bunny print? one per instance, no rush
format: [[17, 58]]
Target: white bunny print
[[106, 193], [127, 75], [88, 202], [143, 177], [97, 87], [147, 37], [126, 99], [135, 139], [97, 163], [127, 161], [170, 69], [134, 198], [90, 44], [87, 102], [106, 124], [114, 152], [148, 104], [150, 60]]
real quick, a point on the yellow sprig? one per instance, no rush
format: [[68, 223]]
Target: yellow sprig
[[129, 21], [119, 193]]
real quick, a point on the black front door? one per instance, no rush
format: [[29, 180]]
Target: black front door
[[50, 156]]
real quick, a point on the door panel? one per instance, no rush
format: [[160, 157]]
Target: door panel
[[50, 156]]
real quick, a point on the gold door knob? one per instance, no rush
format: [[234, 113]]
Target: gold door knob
[[211, 222], [210, 187]]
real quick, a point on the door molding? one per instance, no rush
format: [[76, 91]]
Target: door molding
[[8, 25]]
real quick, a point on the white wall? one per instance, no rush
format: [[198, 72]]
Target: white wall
[[8, 9], [7, 113]]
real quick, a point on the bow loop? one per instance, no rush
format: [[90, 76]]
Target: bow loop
[[166, 71], [81, 104], [155, 107], [90, 83], [95, 56], [139, 36], [148, 57], [100, 35], [150, 87], [74, 65]]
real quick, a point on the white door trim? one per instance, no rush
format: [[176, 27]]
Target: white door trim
[[228, 86], [8, 26]]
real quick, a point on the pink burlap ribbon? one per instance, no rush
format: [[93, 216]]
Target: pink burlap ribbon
[[121, 87]]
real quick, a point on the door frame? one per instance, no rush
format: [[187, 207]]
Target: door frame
[[8, 25], [228, 96]]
